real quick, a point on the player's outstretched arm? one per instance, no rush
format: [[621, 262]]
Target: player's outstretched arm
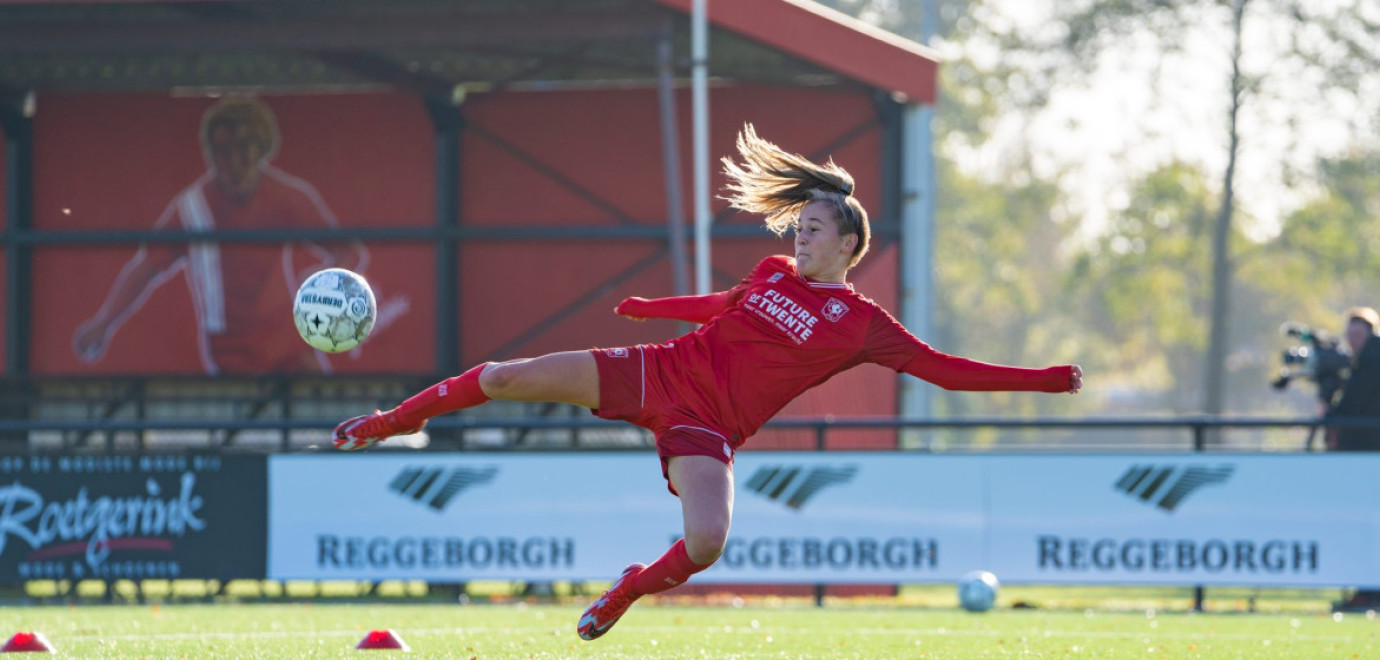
[[890, 345], [695, 309], [145, 271], [957, 373]]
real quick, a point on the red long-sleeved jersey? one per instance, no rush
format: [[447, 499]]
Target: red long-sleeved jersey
[[777, 334]]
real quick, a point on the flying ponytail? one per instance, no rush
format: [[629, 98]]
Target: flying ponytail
[[777, 184]]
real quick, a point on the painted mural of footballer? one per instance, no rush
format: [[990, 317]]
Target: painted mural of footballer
[[241, 292]]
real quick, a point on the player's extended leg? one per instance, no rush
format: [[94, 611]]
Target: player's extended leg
[[568, 377], [705, 486]]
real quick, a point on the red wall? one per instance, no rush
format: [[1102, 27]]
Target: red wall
[[116, 161], [607, 143]]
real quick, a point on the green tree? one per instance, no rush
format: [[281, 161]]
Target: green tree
[[1327, 255], [996, 282], [1141, 287], [1332, 49], [1141, 293]]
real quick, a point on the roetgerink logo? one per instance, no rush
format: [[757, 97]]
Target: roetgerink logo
[[794, 485], [436, 486], [1166, 486]]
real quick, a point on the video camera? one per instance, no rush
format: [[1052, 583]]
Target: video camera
[[1318, 358]]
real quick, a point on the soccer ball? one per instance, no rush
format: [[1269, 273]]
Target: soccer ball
[[334, 310], [977, 591]]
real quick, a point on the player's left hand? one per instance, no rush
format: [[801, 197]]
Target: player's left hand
[[1075, 378], [629, 308]]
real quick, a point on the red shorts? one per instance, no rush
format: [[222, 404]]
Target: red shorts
[[631, 390]]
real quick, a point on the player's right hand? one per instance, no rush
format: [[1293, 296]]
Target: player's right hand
[[89, 341], [631, 308]]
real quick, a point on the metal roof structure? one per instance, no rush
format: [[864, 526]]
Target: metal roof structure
[[434, 47]]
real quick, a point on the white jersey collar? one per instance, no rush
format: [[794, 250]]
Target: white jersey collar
[[820, 285]]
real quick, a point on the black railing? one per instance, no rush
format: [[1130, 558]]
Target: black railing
[[1196, 429]]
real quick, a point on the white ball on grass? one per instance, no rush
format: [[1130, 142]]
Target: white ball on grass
[[977, 591]]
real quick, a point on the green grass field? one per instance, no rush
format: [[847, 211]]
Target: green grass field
[[764, 629]]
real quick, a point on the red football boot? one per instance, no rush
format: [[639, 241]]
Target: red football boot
[[606, 611], [368, 430]]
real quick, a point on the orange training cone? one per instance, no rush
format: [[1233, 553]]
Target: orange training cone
[[382, 639], [27, 641]]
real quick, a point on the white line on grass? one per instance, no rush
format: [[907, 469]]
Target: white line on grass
[[932, 632]]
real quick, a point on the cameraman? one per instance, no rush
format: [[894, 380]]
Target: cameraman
[[1361, 394], [1360, 398]]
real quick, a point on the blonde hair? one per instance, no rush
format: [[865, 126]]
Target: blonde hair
[[1366, 315], [777, 184]]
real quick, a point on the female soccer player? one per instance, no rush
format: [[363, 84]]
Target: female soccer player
[[790, 325]]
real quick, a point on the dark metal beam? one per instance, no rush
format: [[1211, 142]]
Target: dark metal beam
[[670, 159], [889, 117], [381, 69], [555, 175], [14, 396], [514, 232], [448, 123], [19, 208], [323, 32], [509, 350], [372, 66], [1188, 423]]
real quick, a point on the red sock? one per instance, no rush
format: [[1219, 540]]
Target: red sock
[[671, 569], [446, 396]]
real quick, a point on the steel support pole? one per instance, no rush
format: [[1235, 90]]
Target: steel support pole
[[448, 122], [699, 59], [917, 244], [918, 186]]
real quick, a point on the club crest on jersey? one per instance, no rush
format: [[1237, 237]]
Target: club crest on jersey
[[775, 277], [835, 309], [616, 352]]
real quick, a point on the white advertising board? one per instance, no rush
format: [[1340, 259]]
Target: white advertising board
[[1258, 519], [840, 517], [800, 517], [454, 517], [852, 517]]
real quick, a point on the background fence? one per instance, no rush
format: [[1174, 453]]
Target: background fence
[[516, 499]]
